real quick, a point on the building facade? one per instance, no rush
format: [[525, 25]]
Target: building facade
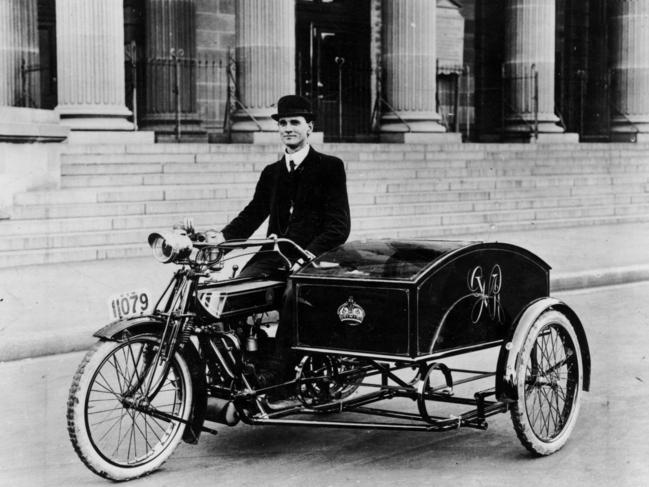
[[375, 69]]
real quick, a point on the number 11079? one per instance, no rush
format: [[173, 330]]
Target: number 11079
[[128, 304]]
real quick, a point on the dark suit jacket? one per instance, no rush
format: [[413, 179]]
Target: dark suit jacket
[[320, 219]]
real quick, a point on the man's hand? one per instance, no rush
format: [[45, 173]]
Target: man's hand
[[298, 264], [213, 237], [186, 226]]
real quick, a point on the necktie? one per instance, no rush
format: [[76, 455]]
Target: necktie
[[292, 189]]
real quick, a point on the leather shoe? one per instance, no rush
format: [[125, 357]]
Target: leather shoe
[[276, 403]]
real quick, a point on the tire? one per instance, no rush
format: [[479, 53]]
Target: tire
[[549, 384], [112, 440]]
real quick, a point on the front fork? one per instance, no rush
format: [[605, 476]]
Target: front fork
[[177, 325]]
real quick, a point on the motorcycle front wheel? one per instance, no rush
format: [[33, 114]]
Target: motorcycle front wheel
[[113, 438]]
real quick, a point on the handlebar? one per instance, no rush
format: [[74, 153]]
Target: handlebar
[[242, 244], [192, 249]]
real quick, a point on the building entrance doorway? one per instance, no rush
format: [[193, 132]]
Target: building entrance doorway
[[333, 65]]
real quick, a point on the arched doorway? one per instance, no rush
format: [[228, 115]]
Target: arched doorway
[[333, 65], [47, 53], [134, 56]]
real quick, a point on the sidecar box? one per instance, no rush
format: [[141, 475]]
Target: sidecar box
[[413, 300]]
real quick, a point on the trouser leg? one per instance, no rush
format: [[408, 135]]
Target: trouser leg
[[282, 360], [284, 356]]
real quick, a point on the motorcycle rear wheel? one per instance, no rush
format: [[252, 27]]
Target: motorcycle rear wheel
[[112, 439]]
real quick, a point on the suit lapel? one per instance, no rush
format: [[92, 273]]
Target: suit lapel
[[310, 160]]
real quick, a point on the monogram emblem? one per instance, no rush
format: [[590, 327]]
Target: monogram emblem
[[487, 290], [351, 313]]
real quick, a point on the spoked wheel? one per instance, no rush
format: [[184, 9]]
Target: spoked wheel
[[114, 437], [549, 384], [345, 387], [319, 381]]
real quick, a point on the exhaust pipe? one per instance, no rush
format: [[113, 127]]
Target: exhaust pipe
[[221, 411]]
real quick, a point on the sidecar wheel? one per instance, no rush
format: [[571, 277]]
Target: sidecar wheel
[[549, 384], [318, 379], [112, 439]]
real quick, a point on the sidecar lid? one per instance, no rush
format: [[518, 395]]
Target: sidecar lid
[[381, 259], [403, 260]]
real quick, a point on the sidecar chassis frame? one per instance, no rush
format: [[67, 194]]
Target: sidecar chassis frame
[[389, 386], [254, 409]]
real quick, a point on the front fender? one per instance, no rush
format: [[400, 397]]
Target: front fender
[[508, 359], [135, 324], [121, 329]]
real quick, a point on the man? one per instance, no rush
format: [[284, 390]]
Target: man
[[304, 196]]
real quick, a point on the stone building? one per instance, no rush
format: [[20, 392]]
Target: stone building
[[390, 70], [371, 66], [88, 86]]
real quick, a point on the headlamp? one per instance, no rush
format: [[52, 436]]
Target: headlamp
[[169, 247]]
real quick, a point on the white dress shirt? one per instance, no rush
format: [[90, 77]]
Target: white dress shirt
[[296, 157]]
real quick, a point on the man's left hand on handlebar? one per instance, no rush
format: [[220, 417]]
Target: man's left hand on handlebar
[[213, 237], [186, 227], [298, 264], [210, 237]]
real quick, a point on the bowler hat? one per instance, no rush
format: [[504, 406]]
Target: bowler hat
[[293, 106]]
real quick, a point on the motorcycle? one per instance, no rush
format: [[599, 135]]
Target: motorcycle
[[364, 315], [152, 380]]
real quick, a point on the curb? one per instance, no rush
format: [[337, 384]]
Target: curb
[[32, 345], [599, 277]]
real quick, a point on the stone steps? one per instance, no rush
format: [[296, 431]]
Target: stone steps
[[386, 203], [152, 163], [424, 230], [84, 232], [406, 182], [113, 196]]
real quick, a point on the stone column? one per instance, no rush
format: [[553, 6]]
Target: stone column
[[170, 27], [529, 47], [90, 59], [410, 66], [265, 54], [629, 34], [18, 46], [24, 166]]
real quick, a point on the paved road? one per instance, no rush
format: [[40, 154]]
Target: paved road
[[608, 447]]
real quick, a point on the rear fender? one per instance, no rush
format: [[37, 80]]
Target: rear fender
[[121, 330], [508, 359]]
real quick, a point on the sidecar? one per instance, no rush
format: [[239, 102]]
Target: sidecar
[[368, 312], [414, 301]]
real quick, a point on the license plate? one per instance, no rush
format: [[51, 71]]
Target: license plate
[[132, 303]]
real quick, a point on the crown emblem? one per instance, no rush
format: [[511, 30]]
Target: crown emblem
[[351, 313]]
